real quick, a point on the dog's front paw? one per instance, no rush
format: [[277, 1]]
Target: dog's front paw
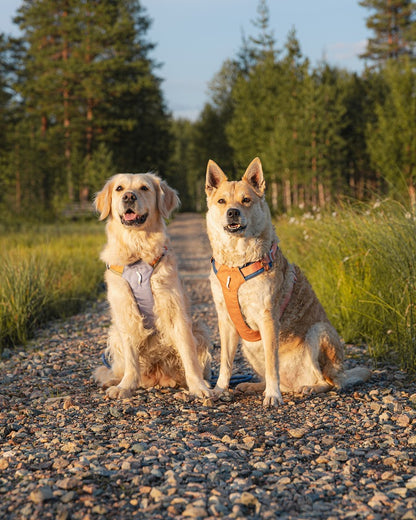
[[117, 392], [218, 391], [200, 389], [272, 400]]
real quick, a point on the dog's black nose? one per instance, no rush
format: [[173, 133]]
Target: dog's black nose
[[129, 196], [233, 213]]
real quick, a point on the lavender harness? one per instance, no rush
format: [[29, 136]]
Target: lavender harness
[[138, 275]]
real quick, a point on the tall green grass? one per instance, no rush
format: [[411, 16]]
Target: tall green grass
[[46, 272], [361, 262]]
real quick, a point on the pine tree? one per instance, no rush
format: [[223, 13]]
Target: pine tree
[[87, 78], [394, 25], [392, 137]]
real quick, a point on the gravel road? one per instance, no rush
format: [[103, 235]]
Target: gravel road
[[67, 452]]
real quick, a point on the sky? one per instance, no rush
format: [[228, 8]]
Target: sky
[[194, 37]]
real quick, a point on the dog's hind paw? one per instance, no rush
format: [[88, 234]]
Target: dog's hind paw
[[315, 389], [116, 392], [250, 388]]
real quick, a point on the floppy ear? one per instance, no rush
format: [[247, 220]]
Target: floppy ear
[[102, 201], [167, 199], [215, 176], [254, 176]]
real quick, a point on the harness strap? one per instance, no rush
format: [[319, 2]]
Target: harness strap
[[138, 275], [231, 278], [118, 269]]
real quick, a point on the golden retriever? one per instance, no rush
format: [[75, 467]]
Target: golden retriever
[[262, 298], [151, 340]]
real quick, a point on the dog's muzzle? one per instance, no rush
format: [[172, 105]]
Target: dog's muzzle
[[234, 221], [130, 218]]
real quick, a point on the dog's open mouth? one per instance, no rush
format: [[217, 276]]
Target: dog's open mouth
[[234, 228], [130, 218]]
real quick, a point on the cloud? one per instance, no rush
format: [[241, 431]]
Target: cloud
[[346, 51]]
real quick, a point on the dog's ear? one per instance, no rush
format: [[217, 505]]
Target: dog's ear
[[167, 199], [102, 200], [254, 176], [215, 176]]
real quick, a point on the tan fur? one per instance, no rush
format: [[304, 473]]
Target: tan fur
[[175, 353], [300, 351]]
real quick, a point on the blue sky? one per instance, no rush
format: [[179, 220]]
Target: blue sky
[[194, 38]]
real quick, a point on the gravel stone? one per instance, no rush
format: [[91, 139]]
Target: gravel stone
[[67, 452]]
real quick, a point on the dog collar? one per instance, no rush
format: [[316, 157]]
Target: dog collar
[[231, 278]]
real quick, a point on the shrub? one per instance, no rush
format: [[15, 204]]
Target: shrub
[[46, 273], [361, 262]]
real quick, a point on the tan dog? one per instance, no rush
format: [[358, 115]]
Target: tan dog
[[151, 341], [259, 296]]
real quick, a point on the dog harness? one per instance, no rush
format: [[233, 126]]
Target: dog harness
[[138, 275], [231, 278]]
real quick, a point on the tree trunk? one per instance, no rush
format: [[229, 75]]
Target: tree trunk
[[67, 124], [275, 194], [287, 200], [412, 196], [321, 195]]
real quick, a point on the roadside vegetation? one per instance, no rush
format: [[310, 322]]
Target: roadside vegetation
[[324, 135], [361, 262], [47, 272]]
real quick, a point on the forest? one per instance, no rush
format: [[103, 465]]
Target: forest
[[81, 98]]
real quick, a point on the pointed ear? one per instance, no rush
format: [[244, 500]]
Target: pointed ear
[[215, 176], [102, 200], [254, 176], [167, 199]]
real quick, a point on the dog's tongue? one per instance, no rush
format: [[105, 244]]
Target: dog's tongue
[[130, 216]]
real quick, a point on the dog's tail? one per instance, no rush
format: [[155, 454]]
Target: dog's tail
[[355, 376]]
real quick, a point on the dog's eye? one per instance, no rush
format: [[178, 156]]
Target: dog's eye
[[246, 200], [221, 201], [119, 188], [144, 188]]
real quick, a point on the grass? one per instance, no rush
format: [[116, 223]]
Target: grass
[[47, 272], [361, 262]]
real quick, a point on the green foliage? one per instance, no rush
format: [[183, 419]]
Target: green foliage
[[392, 136], [78, 85], [361, 263], [322, 133], [98, 168], [394, 26], [46, 272]]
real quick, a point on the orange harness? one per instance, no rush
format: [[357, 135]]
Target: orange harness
[[231, 278]]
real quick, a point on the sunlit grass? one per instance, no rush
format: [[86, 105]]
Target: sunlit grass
[[47, 272], [360, 260], [361, 263]]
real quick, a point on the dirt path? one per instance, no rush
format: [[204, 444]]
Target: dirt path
[[68, 453]]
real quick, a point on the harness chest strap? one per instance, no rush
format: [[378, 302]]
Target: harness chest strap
[[118, 269], [231, 278], [138, 275]]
